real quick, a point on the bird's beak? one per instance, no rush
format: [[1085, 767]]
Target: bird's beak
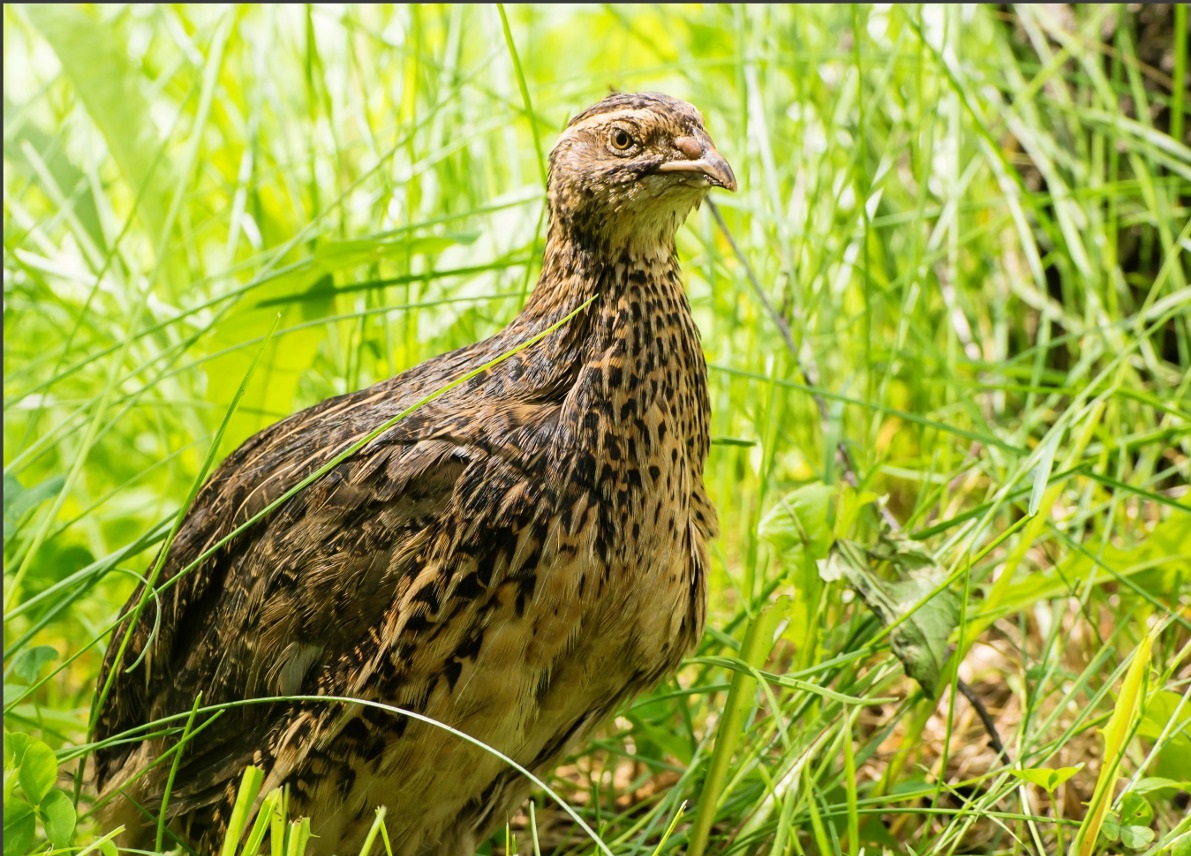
[[703, 159]]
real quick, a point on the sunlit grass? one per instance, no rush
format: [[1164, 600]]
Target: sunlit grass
[[974, 230]]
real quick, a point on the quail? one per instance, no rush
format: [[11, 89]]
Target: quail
[[515, 558]]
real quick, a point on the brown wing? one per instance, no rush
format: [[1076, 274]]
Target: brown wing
[[254, 616]]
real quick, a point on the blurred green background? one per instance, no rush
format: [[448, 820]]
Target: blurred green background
[[971, 221]]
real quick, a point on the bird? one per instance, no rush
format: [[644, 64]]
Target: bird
[[514, 557]]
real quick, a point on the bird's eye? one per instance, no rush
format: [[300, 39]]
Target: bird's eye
[[620, 140]]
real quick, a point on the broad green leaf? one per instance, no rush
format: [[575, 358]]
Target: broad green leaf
[[58, 815], [921, 619], [1135, 810], [799, 526], [654, 733], [799, 523], [874, 832], [39, 769], [851, 503], [1152, 784], [1047, 778], [20, 827], [27, 664], [56, 560], [15, 744], [1137, 837]]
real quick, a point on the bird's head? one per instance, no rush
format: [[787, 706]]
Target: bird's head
[[628, 170]]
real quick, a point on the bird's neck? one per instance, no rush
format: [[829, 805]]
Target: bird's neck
[[579, 264], [636, 345]]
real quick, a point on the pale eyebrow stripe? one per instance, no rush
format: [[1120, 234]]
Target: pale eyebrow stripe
[[599, 118]]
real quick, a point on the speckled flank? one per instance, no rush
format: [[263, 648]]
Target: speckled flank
[[514, 559]]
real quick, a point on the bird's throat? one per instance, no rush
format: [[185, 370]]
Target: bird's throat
[[579, 264]]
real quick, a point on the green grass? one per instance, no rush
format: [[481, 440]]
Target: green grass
[[971, 235]]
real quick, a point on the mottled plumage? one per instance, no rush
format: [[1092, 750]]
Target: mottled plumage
[[515, 558]]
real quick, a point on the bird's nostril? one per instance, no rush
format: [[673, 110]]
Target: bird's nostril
[[689, 146]]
